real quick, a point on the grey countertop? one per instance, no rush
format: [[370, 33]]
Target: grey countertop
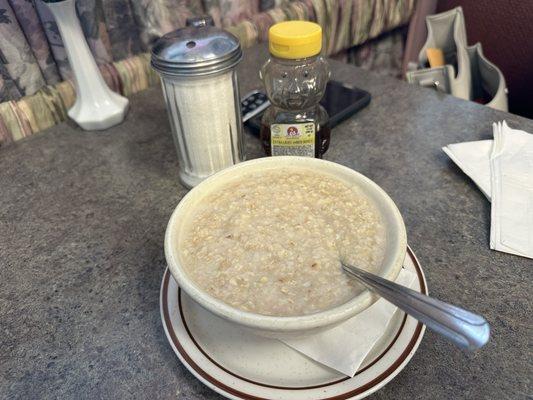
[[82, 219]]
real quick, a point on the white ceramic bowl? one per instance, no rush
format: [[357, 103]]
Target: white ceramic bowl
[[396, 243]]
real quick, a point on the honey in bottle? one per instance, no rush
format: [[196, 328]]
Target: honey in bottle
[[295, 78]]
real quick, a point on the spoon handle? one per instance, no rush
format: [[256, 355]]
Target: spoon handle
[[464, 328]]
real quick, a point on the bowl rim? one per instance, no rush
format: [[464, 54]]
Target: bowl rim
[[280, 323]]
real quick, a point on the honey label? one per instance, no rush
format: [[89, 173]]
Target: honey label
[[293, 139]]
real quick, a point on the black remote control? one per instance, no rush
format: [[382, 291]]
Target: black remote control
[[253, 103]]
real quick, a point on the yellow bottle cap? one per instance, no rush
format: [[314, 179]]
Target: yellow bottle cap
[[295, 39]]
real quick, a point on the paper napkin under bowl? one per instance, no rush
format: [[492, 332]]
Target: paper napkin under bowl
[[344, 347]]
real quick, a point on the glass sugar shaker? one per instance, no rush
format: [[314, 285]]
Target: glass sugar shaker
[[197, 69], [295, 79]]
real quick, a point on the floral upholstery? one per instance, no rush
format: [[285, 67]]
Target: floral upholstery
[[35, 86]]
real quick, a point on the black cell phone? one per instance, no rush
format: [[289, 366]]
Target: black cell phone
[[340, 101]]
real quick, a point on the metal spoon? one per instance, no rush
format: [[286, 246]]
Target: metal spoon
[[464, 328]]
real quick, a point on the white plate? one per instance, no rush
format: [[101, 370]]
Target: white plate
[[240, 365]]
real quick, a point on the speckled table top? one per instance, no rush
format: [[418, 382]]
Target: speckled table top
[[82, 219]]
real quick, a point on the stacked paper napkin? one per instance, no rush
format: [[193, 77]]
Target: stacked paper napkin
[[503, 169]]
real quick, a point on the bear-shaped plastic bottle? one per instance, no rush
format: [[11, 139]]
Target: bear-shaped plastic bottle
[[295, 78]]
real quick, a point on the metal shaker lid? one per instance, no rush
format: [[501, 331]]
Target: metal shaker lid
[[198, 49]]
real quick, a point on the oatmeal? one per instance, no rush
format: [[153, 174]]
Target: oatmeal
[[270, 243]]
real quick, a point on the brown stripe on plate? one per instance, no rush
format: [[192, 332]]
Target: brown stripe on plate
[[187, 358]]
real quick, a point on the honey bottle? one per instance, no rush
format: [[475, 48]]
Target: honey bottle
[[295, 78]]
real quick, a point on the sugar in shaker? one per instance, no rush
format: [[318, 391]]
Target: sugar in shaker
[[197, 69]]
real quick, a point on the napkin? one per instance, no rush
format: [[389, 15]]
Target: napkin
[[503, 170], [344, 347], [474, 159], [511, 170]]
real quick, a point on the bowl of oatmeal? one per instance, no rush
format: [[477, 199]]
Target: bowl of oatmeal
[[260, 243]]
